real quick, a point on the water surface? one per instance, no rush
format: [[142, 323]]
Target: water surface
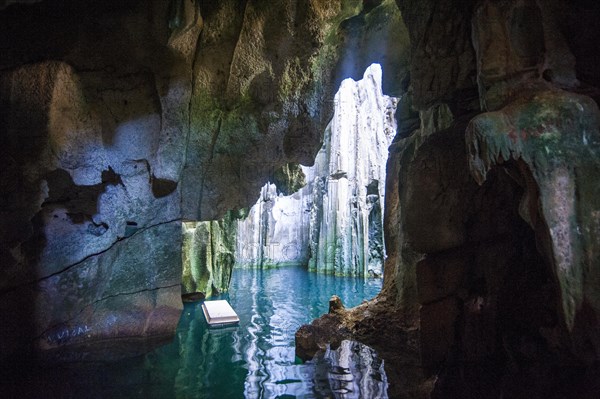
[[256, 359], [253, 360]]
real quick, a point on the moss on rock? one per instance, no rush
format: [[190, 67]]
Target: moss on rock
[[208, 255]]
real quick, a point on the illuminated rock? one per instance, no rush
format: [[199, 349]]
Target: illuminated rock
[[334, 223], [348, 181], [208, 255]]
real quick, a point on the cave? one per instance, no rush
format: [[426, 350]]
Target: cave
[[135, 133]]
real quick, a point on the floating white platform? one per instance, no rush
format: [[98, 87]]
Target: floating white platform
[[219, 313]]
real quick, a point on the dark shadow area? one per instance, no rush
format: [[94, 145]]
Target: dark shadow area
[[376, 253], [584, 43], [490, 316], [375, 36], [29, 34], [162, 187]]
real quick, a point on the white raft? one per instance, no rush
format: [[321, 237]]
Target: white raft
[[219, 313]]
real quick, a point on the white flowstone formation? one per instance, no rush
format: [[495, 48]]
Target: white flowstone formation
[[334, 222], [348, 180], [275, 233]]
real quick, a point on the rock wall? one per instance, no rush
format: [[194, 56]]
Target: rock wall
[[90, 224], [120, 119], [489, 309], [262, 90], [275, 232], [348, 181]]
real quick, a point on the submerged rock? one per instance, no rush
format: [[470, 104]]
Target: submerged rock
[[193, 297], [317, 336]]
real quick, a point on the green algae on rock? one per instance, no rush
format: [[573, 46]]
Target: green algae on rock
[[208, 255]]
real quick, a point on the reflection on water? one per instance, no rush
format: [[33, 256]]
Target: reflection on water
[[351, 371], [253, 360], [256, 359]]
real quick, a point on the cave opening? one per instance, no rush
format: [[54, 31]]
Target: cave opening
[[327, 218], [332, 224]]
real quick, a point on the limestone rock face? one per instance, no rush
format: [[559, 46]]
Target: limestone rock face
[[442, 67], [276, 231], [516, 43], [90, 227], [120, 119], [480, 266], [260, 99], [348, 181], [555, 137]]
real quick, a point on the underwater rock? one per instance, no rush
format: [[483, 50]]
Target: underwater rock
[[193, 297]]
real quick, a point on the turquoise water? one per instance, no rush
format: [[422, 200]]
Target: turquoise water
[[253, 360], [256, 359]]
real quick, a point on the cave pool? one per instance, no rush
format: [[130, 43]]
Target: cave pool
[[256, 359]]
